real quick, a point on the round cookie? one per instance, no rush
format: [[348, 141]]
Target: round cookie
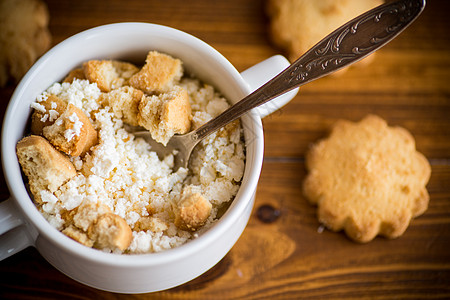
[[367, 178], [297, 25]]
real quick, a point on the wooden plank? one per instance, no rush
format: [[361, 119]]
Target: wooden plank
[[293, 257]]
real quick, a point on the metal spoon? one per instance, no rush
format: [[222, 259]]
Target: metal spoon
[[346, 45]]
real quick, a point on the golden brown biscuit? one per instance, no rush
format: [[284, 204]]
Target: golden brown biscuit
[[297, 25], [153, 224], [108, 74], [24, 36], [94, 225], [192, 212], [110, 231], [124, 102], [85, 214], [46, 112], [166, 114], [100, 72], [78, 235], [125, 71], [72, 133], [367, 178], [159, 73], [74, 74], [45, 167]]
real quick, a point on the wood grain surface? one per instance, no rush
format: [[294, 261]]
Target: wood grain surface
[[286, 254]]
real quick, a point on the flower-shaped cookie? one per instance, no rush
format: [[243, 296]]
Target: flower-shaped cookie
[[367, 178]]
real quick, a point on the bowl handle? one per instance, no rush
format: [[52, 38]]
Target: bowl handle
[[14, 234], [262, 72]]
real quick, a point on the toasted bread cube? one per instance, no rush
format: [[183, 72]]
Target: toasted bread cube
[[176, 111], [193, 210], [101, 72], [77, 73], [72, 133], [124, 102], [124, 70], [166, 114], [45, 167], [110, 231], [151, 223], [159, 73], [108, 74], [78, 235], [46, 112]]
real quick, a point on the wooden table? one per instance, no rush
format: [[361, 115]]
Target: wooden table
[[408, 84]]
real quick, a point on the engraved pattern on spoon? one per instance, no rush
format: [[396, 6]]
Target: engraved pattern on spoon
[[330, 54]]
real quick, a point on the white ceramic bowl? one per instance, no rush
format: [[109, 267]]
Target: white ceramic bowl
[[21, 223]]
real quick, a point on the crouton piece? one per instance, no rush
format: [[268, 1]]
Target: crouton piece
[[45, 167], [289, 21], [159, 73], [153, 224], [193, 210], [81, 219], [72, 133], [124, 70], [176, 111], [78, 235], [24, 36], [110, 231], [74, 74], [166, 114], [124, 102], [85, 214], [46, 112], [109, 74], [101, 72]]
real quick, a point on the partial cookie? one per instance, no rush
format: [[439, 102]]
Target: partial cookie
[[368, 179], [77, 73], [297, 25], [24, 36]]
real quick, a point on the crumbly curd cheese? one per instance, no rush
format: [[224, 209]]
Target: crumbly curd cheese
[[122, 173]]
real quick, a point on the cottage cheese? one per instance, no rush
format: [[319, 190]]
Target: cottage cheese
[[122, 173]]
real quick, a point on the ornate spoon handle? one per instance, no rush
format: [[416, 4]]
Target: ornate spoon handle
[[346, 45]]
